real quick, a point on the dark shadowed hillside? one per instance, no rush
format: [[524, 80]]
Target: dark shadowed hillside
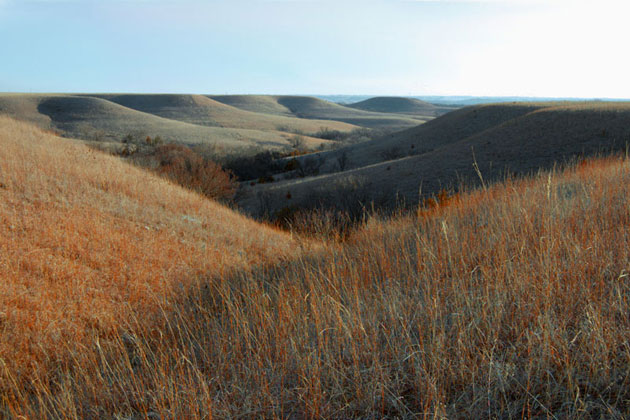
[[441, 154]]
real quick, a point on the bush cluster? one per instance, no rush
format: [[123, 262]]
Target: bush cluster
[[358, 135], [261, 165], [185, 167]]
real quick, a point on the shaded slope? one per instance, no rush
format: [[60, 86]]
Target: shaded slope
[[202, 110], [314, 108], [309, 107], [434, 134], [265, 104], [24, 107], [519, 140], [94, 118]]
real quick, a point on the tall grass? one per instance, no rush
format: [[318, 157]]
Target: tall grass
[[507, 302], [88, 243]]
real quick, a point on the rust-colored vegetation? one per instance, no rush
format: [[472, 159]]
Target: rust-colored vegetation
[[124, 296], [189, 169]]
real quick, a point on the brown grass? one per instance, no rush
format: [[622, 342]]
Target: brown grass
[[86, 242], [507, 302], [189, 169]]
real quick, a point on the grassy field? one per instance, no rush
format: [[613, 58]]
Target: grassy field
[[202, 110], [125, 296], [309, 107], [229, 123], [98, 119], [88, 246], [443, 153], [400, 105]]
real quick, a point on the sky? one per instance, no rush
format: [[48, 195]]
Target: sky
[[550, 48]]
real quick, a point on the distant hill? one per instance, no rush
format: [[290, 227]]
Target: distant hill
[[202, 110], [436, 133], [264, 104], [315, 108], [239, 121], [514, 138], [399, 105], [100, 119], [478, 100]]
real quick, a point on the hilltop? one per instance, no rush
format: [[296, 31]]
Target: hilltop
[[202, 110], [400, 105], [310, 107], [231, 124], [101, 120], [441, 154]]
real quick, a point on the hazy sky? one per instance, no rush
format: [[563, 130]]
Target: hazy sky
[[381, 47]]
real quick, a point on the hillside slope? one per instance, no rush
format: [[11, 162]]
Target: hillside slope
[[202, 110], [440, 154], [124, 296], [314, 108], [89, 245], [400, 105], [505, 302], [434, 134], [98, 119]]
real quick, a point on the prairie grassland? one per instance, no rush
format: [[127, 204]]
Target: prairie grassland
[[510, 301], [87, 240], [97, 119], [311, 107]]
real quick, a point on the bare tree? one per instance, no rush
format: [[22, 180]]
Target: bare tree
[[309, 166], [342, 161], [297, 142]]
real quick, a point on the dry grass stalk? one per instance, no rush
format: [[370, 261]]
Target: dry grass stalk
[[507, 302]]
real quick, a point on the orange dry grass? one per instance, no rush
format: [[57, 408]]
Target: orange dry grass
[[87, 241], [507, 302]]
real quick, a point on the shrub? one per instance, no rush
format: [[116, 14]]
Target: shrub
[[253, 167], [343, 161], [328, 134], [155, 141], [391, 153], [358, 135], [185, 167], [309, 166], [323, 224], [297, 142], [265, 179], [292, 165]]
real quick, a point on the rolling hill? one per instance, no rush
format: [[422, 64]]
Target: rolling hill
[[314, 108], [93, 118], [202, 110], [90, 245], [514, 138], [124, 296], [436, 133], [400, 105]]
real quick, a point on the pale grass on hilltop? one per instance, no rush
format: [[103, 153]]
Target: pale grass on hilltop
[[510, 302]]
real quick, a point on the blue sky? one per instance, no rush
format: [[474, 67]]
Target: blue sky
[[380, 47]]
